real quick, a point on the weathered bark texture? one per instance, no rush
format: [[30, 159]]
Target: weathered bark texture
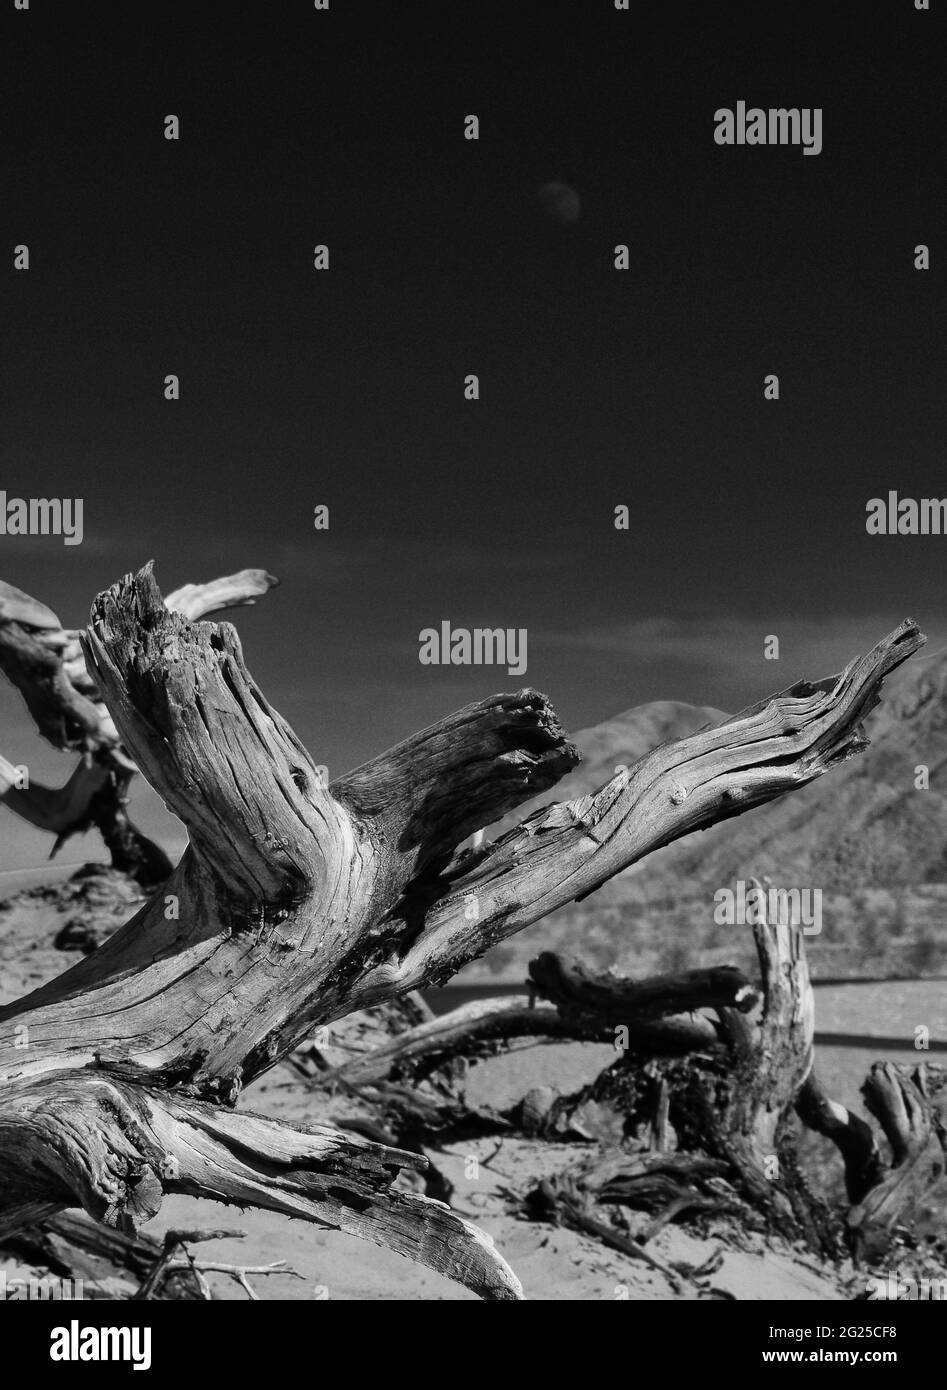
[[297, 903], [912, 1193], [115, 1147], [46, 664]]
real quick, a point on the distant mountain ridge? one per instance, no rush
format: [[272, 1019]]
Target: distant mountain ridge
[[866, 834]]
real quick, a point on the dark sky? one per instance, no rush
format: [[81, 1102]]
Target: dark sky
[[598, 388]]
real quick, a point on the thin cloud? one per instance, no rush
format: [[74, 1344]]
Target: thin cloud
[[724, 644]]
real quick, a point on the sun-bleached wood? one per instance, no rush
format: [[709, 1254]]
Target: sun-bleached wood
[[116, 1147], [46, 663], [297, 903]]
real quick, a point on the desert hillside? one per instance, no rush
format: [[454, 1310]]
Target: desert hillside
[[874, 843]]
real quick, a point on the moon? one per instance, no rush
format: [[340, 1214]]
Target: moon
[[560, 202]]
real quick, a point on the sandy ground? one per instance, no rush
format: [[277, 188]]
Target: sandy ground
[[553, 1263]]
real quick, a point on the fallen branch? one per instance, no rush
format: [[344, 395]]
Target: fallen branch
[[238, 1273], [610, 1000], [583, 1007], [115, 1147], [167, 1265], [562, 1202], [458, 1033], [162, 1265]]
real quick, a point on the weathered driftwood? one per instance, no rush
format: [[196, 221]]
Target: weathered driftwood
[[853, 1137], [114, 1147], [586, 1005], [735, 1098], [669, 1185], [912, 1193], [46, 664], [455, 1034], [609, 1000], [296, 903], [566, 1203], [655, 1014], [73, 1246], [737, 1094], [171, 1264], [780, 1058], [729, 1100], [55, 809]]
